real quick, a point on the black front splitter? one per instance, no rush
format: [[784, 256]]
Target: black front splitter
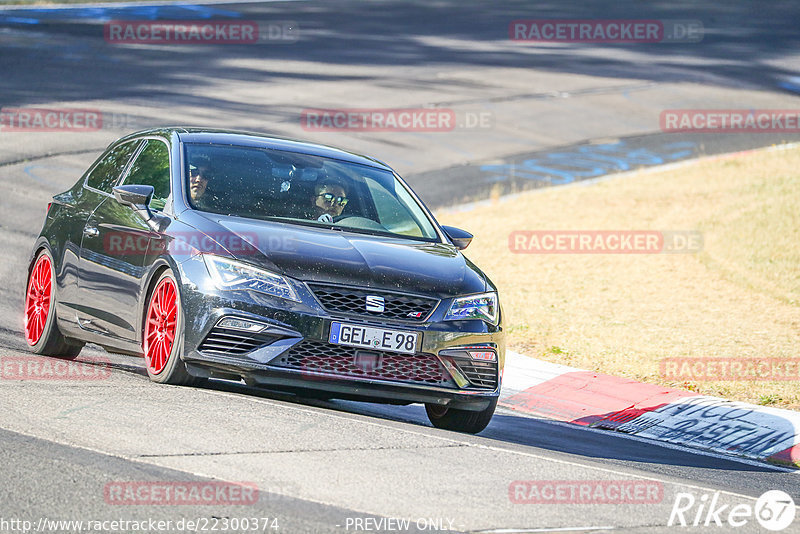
[[349, 388]]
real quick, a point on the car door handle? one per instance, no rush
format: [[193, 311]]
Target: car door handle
[[91, 231]]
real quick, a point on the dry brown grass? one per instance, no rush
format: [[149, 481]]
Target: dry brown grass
[[622, 314]]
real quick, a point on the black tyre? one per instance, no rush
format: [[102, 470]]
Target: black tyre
[[460, 420], [40, 322], [162, 334]]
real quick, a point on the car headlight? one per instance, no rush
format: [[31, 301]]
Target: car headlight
[[483, 306], [231, 274]]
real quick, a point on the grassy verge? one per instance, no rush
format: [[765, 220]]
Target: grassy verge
[[622, 314]]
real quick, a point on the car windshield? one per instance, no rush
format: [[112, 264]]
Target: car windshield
[[273, 184]]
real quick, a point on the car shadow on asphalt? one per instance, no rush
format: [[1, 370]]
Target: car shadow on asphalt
[[515, 429], [507, 429]]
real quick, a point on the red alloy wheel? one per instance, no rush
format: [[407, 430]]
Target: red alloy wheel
[[161, 325], [37, 299]]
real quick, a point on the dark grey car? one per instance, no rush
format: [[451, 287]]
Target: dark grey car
[[290, 265]]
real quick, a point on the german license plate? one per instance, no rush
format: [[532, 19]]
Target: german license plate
[[369, 337]]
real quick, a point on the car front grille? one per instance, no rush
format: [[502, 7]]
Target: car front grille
[[231, 341], [480, 374], [353, 301], [315, 356]]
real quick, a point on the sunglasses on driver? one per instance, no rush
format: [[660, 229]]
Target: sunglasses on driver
[[331, 198]]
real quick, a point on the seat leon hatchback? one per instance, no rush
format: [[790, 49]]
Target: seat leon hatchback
[[289, 265]]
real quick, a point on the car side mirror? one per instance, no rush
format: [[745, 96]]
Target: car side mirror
[[138, 197], [135, 196], [460, 238]]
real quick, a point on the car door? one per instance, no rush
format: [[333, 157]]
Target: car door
[[79, 203], [116, 247]]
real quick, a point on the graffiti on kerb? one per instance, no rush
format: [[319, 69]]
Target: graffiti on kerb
[[587, 161], [105, 14]]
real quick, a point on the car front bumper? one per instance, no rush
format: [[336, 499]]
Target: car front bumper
[[291, 324]]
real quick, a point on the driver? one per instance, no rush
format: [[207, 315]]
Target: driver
[[200, 174], [329, 199]]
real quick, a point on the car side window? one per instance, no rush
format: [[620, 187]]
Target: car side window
[[108, 170], [152, 168]]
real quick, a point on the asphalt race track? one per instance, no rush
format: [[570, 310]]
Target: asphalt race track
[[341, 466]]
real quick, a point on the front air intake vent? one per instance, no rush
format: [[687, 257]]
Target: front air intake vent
[[237, 342]]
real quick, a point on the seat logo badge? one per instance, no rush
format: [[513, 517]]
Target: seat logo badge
[[375, 304]]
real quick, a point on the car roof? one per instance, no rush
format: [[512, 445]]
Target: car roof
[[253, 139]]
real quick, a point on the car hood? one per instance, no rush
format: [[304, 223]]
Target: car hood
[[341, 257]]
